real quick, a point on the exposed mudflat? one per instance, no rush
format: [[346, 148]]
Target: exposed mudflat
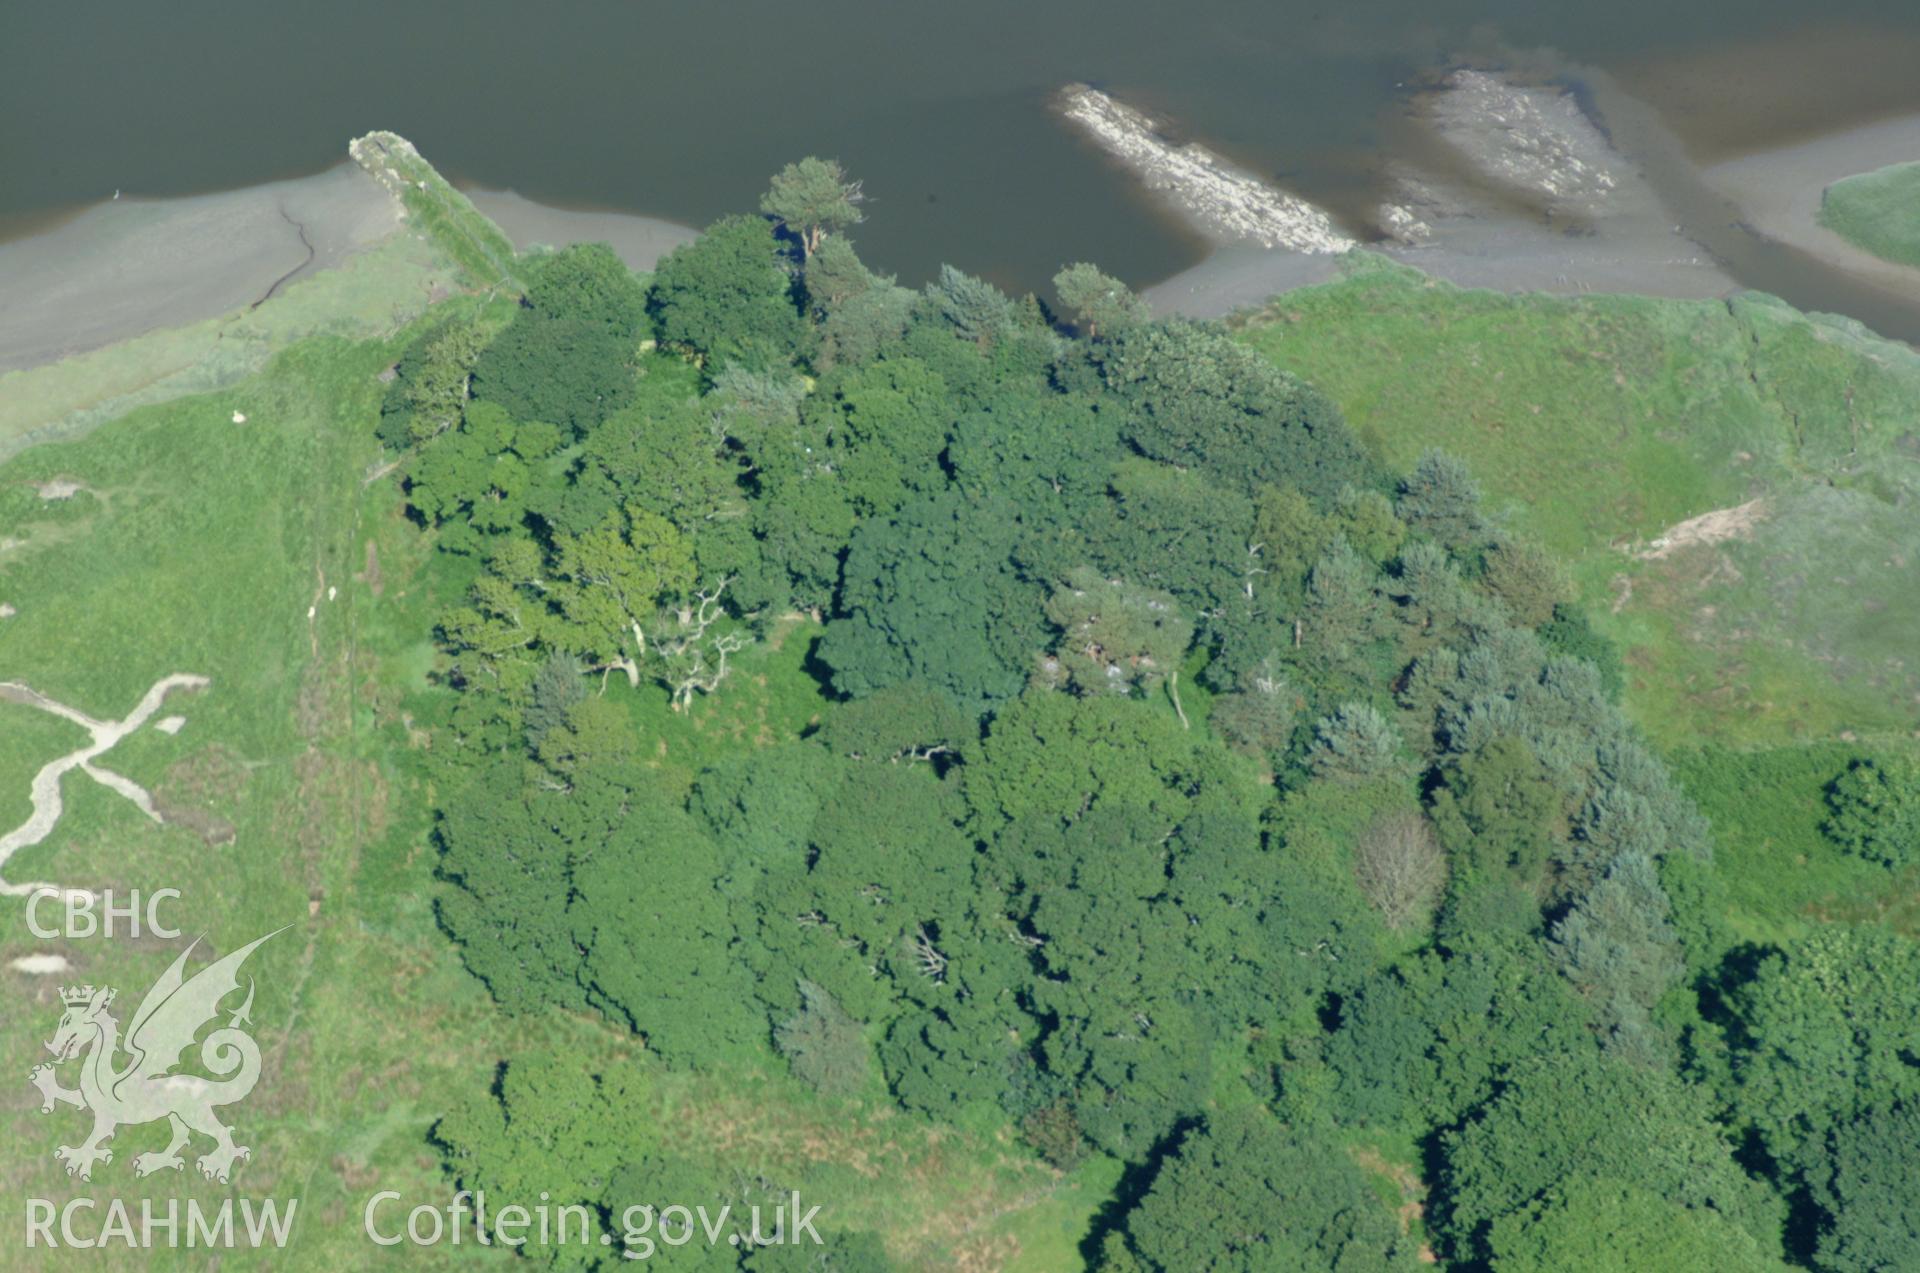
[[1779, 191], [128, 266]]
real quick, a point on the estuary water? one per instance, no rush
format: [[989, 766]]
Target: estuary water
[[680, 109]]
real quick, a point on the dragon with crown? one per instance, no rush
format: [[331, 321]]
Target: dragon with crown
[[133, 1080]]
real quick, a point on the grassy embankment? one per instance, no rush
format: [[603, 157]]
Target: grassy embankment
[[299, 792], [1599, 423], [1878, 211]]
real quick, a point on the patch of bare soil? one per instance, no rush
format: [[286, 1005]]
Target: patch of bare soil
[[193, 791], [1718, 526], [58, 488], [370, 574], [1413, 1192]]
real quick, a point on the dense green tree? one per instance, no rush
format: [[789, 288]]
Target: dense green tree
[[834, 275], [481, 477], [759, 807], [1440, 498], [972, 308], [866, 909], [1619, 946], [640, 1199], [934, 596], [1099, 301], [1247, 1192], [1354, 743], [728, 295], [861, 313], [1257, 716], [966, 1046], [1133, 1036], [568, 357], [655, 936], [1425, 1041], [1291, 536], [1560, 1117], [1875, 809], [880, 430], [1343, 619], [811, 198], [1499, 812], [1051, 455], [509, 850], [1571, 633], [905, 722], [494, 639], [594, 735], [665, 453], [1823, 1031], [431, 384], [1528, 582], [1176, 531], [1867, 1191], [557, 687], [1367, 520], [866, 325], [1197, 398], [1609, 1226], [612, 581], [1058, 756], [551, 1132]]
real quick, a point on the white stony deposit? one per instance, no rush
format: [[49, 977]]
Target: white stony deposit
[[1221, 198], [1533, 140], [44, 792]]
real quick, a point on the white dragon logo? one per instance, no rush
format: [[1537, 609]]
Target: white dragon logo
[[142, 1090]]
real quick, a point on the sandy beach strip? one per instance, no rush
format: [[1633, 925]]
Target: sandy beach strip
[[639, 240]]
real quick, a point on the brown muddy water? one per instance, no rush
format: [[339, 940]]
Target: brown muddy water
[[680, 109]]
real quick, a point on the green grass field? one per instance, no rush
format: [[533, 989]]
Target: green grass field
[[1600, 424], [1878, 211]]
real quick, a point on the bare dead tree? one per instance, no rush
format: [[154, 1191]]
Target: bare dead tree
[[932, 963], [692, 657], [1400, 867]]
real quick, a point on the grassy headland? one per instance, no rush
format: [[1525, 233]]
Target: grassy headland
[[1878, 211], [1604, 424]]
